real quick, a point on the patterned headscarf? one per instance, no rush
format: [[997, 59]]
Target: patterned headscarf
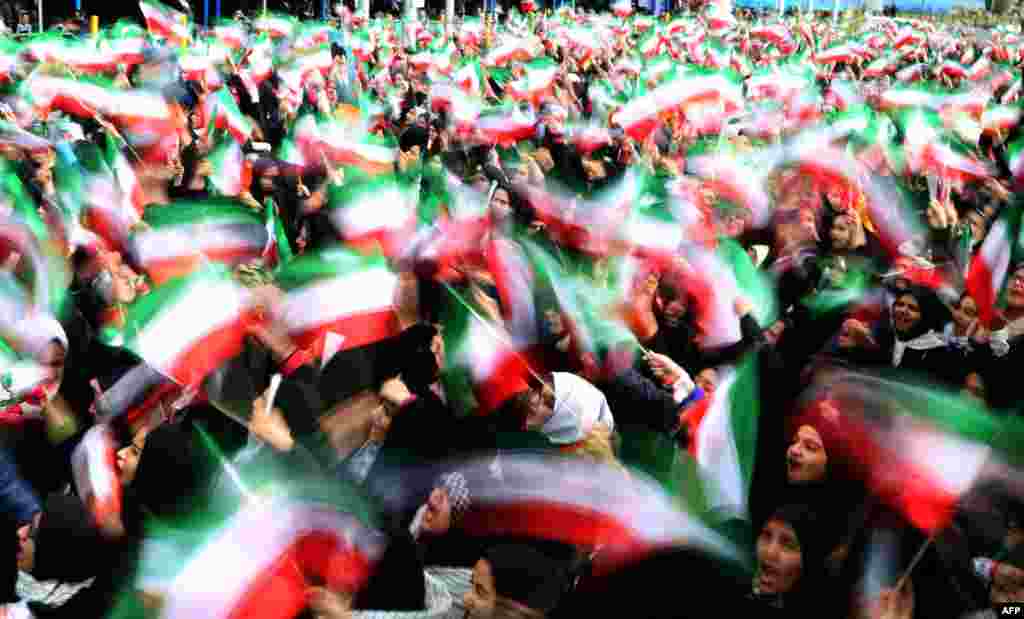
[[458, 494]]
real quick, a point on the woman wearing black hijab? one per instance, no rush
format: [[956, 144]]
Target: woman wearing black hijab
[[791, 579], [913, 339]]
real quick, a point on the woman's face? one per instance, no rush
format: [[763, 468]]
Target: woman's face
[[906, 312], [128, 457], [965, 312], [707, 379], [501, 206], [842, 233], [482, 596], [806, 460], [779, 560], [124, 281], [1015, 290], [437, 518]]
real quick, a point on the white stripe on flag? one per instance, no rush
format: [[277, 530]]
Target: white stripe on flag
[[717, 455], [206, 307], [328, 300]]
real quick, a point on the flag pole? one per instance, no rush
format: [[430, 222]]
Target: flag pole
[[491, 330], [917, 559]]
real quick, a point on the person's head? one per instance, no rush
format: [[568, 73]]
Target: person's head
[[117, 284], [515, 581], [806, 457], [906, 312], [500, 204], [129, 455], [63, 544], [789, 550], [779, 560], [965, 311], [846, 232], [673, 304], [553, 322], [707, 380], [534, 406], [422, 355], [1015, 289], [446, 505]]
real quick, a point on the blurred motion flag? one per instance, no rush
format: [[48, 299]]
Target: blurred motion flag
[[181, 236], [723, 438], [337, 291], [94, 469], [990, 266], [918, 448], [188, 326], [260, 564], [584, 503], [165, 22]]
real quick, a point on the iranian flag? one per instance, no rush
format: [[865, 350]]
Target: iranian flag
[[188, 326], [723, 437], [95, 473], [379, 213], [489, 366], [469, 77], [918, 448], [538, 81], [221, 112], [267, 556], [506, 126], [1003, 246], [581, 502], [337, 291], [276, 26], [165, 22], [622, 8], [179, 237], [231, 34], [232, 174], [1000, 118]]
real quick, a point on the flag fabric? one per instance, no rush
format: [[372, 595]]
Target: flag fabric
[[188, 326], [1002, 248], [265, 556], [377, 214], [165, 22], [179, 237], [723, 438], [585, 503], [94, 470], [337, 291], [919, 448]]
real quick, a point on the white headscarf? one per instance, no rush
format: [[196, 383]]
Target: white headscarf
[[579, 406], [37, 331]]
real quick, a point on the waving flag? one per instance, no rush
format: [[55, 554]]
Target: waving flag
[[165, 22], [94, 469], [581, 502], [339, 292], [179, 237], [188, 326], [265, 555]]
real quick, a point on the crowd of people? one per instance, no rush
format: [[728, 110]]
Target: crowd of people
[[554, 315]]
